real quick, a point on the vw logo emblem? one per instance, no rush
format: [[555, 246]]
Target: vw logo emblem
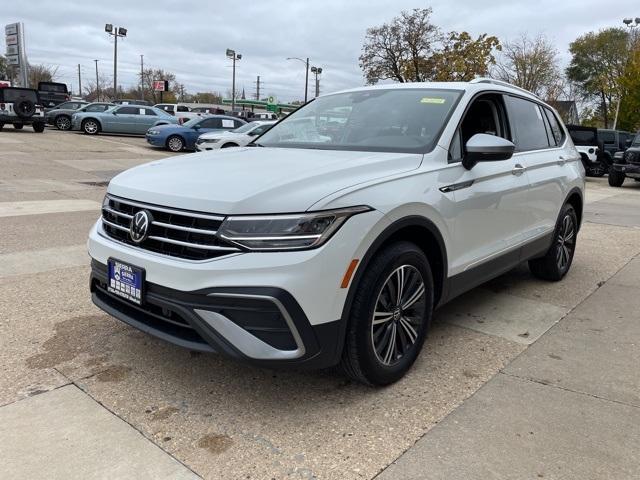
[[140, 223]]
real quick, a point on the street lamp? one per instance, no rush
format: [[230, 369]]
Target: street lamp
[[233, 56], [97, 83], [317, 71], [115, 32], [306, 76], [631, 23]]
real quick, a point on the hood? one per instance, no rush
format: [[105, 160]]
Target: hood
[[255, 180], [169, 127], [218, 134]]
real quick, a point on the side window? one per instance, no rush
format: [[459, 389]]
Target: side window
[[485, 115], [609, 138], [528, 128], [75, 106], [128, 111], [149, 111], [210, 123], [556, 129], [182, 108]]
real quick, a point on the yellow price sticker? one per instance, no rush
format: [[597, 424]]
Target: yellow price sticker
[[436, 101]]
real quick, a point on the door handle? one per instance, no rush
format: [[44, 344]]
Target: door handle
[[561, 160], [518, 170]]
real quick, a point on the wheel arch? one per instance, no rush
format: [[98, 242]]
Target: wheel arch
[[91, 118], [574, 198]]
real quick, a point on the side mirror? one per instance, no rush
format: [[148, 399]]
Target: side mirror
[[486, 148], [196, 126]]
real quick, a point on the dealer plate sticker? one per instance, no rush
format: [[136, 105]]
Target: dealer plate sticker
[[125, 281]]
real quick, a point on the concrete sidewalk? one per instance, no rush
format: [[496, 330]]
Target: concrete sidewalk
[[567, 408]]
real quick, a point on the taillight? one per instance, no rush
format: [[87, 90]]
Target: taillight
[[1, 106]]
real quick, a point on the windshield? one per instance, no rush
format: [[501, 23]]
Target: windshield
[[382, 120], [247, 127], [192, 122]]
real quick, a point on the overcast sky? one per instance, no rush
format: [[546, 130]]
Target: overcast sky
[[190, 38]]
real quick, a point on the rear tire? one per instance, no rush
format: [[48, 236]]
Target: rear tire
[[38, 127], [557, 261], [175, 143], [18, 126], [616, 179], [385, 335]]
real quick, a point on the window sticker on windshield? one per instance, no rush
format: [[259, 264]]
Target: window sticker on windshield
[[227, 123], [432, 100]]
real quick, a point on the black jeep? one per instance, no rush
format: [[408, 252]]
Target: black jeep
[[626, 165], [20, 107], [52, 93]]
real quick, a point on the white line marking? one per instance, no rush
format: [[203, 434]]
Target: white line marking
[[37, 261], [39, 207]]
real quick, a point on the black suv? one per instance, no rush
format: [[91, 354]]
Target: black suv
[[20, 107], [626, 165]]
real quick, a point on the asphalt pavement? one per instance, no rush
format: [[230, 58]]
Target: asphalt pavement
[[519, 378]]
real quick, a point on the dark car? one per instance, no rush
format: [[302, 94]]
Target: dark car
[[613, 141], [53, 93], [20, 107], [626, 164], [60, 115]]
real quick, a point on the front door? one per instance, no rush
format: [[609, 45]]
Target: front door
[[491, 198]]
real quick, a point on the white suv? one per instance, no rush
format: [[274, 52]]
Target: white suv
[[332, 238]]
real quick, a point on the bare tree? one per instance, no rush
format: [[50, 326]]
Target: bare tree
[[529, 63], [41, 73]]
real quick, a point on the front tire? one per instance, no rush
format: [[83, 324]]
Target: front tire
[[18, 126], [390, 316], [90, 126], [557, 261], [63, 122], [616, 179], [175, 143]]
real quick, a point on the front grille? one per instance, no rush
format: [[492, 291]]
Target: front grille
[[176, 233], [631, 156]]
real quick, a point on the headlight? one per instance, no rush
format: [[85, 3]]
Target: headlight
[[286, 232], [153, 132], [208, 140]]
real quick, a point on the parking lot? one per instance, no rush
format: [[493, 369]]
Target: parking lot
[[89, 394]]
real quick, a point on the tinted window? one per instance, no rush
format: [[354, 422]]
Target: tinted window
[[211, 123], [556, 130], [182, 108], [148, 111], [236, 124], [129, 111], [52, 87], [584, 137], [96, 108], [261, 129], [608, 137], [527, 126]]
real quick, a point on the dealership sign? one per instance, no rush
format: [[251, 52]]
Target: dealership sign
[[15, 52], [161, 85]]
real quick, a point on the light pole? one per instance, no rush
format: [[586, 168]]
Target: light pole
[[97, 83], [233, 56], [317, 71], [306, 75], [141, 77], [629, 23], [115, 32]]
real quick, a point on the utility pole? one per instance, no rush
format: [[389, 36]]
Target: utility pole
[[317, 71], [258, 88], [141, 77], [234, 56], [115, 32], [79, 82], [97, 83]]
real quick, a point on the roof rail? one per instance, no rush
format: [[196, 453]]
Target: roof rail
[[502, 83]]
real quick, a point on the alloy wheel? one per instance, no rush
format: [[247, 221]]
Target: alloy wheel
[[91, 127], [566, 242], [398, 315], [175, 144], [63, 123]]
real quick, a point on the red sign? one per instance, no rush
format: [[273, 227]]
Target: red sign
[[160, 85]]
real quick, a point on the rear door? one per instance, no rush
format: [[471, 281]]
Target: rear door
[[146, 119], [539, 141]]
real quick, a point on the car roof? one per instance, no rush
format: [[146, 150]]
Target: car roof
[[476, 85]]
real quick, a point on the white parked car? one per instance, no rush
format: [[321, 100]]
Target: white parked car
[[333, 238], [182, 112], [239, 137]]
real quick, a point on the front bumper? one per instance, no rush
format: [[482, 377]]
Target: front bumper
[[261, 325], [155, 140], [630, 169], [207, 146]]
